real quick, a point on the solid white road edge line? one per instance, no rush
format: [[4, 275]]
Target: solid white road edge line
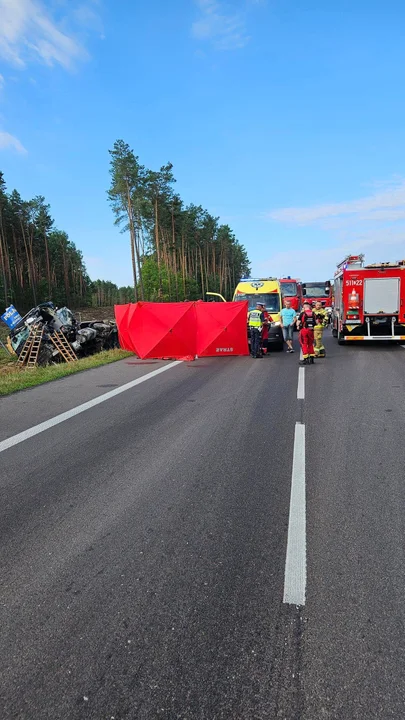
[[301, 384], [295, 576], [15, 439]]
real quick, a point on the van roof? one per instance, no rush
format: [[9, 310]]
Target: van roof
[[252, 279], [258, 286]]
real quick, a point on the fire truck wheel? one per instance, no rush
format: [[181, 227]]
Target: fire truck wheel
[[340, 338]]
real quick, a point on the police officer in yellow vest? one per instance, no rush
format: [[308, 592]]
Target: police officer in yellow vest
[[255, 322], [321, 316]]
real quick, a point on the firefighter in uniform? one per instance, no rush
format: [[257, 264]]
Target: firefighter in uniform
[[321, 316], [306, 324], [255, 322]]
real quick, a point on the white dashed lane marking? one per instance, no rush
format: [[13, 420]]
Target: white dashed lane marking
[[295, 576], [301, 384]]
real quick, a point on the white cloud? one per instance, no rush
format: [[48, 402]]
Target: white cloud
[[378, 244], [220, 25], [9, 141], [2, 82], [373, 224], [87, 17], [27, 32], [301, 264], [386, 205]]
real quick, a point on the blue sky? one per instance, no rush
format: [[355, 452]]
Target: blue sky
[[285, 118]]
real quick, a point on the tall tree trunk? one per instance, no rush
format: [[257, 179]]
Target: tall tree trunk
[[157, 243], [134, 267], [202, 274], [34, 272], [184, 265], [226, 276], [134, 233], [176, 278], [65, 274], [48, 267], [3, 259], [174, 256], [138, 259], [29, 267], [189, 271], [221, 271], [133, 243], [18, 263], [167, 265], [140, 234]]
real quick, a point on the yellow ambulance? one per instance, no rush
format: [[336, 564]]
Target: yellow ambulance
[[267, 291]]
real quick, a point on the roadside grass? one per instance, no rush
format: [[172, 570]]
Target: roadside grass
[[13, 378], [6, 359]]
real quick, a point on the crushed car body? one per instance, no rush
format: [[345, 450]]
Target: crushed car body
[[85, 338]]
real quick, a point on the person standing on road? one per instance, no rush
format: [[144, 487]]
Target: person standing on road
[[287, 320], [321, 316], [306, 323], [255, 322], [265, 330]]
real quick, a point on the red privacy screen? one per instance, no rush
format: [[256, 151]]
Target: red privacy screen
[[221, 329], [183, 330]]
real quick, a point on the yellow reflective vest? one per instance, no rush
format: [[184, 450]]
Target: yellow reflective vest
[[255, 318], [321, 316]]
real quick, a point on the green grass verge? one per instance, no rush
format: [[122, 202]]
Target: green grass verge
[[13, 378]]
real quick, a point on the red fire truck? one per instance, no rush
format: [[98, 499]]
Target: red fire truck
[[291, 290], [369, 300], [313, 291]]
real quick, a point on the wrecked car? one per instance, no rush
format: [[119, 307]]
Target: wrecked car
[[85, 338]]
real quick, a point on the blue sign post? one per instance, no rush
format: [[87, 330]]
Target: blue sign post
[[11, 317]]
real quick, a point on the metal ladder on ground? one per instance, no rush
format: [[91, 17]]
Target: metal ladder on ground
[[35, 347], [62, 345], [30, 351]]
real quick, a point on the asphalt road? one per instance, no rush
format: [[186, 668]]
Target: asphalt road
[[144, 540]]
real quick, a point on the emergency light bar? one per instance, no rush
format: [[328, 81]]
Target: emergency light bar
[[351, 260], [249, 279]]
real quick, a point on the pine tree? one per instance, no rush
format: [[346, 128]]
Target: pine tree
[[182, 251], [37, 261], [126, 194]]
